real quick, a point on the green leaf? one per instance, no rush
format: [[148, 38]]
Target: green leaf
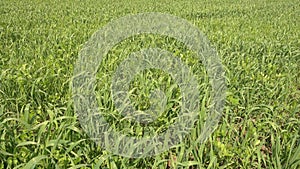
[[34, 161]]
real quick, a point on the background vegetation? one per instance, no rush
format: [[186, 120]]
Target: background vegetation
[[258, 42]]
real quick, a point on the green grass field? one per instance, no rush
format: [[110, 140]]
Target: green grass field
[[258, 42]]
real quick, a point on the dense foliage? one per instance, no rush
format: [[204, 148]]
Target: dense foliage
[[258, 42]]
